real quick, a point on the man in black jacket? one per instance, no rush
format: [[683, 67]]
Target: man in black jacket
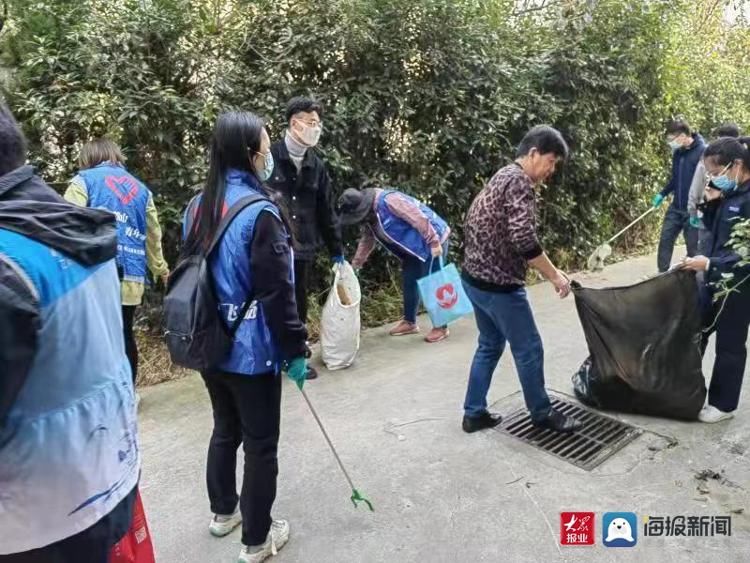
[[300, 176]]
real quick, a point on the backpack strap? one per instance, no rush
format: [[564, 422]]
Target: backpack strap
[[235, 210]]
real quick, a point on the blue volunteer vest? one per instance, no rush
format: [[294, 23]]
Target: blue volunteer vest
[[401, 234], [68, 452], [112, 187], [254, 350]]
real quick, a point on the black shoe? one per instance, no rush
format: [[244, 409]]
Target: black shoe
[[311, 373], [484, 420], [557, 421]]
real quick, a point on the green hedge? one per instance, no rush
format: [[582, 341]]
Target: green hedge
[[427, 95]]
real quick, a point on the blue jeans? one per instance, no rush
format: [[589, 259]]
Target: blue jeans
[[412, 270], [675, 221], [501, 318]]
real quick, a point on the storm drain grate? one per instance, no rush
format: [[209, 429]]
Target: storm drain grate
[[599, 438]]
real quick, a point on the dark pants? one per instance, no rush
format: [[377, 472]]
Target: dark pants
[[731, 329], [704, 242], [247, 411], [302, 277], [413, 270], [131, 348], [501, 318], [675, 222], [89, 546]]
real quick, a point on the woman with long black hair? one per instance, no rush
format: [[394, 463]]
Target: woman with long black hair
[[727, 201], [252, 271]]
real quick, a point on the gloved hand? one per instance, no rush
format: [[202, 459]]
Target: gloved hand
[[297, 370], [338, 259], [695, 222], [658, 200]]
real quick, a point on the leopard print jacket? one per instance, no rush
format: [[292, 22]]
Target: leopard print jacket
[[500, 230]]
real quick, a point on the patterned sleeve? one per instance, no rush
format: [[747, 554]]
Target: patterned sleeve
[[520, 210]]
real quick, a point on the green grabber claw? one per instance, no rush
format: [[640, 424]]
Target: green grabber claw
[[358, 497]]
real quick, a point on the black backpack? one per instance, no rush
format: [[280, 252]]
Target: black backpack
[[197, 337]]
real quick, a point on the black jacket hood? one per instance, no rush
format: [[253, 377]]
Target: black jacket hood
[[28, 206]]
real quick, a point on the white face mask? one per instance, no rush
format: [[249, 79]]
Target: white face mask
[[310, 135]]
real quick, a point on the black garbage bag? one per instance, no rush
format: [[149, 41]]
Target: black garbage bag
[[644, 342]]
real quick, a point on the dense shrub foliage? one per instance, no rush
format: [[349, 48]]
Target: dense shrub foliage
[[427, 95]]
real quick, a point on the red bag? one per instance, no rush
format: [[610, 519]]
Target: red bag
[[135, 546]]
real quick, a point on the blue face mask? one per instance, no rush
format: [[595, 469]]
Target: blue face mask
[[723, 182], [265, 174]]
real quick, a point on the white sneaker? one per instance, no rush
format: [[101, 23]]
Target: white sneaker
[[278, 535], [222, 525], [711, 414]]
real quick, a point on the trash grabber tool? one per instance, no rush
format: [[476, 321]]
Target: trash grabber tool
[[604, 250], [356, 495]]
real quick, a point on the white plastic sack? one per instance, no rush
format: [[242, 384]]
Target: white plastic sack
[[340, 322]]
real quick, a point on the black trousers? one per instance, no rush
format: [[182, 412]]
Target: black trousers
[[247, 411], [131, 348], [676, 221], [302, 278], [90, 546], [731, 329]]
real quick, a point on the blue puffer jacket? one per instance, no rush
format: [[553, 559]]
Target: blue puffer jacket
[[254, 351], [402, 238], [68, 439]]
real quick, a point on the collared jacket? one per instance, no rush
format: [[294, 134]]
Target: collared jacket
[[309, 199]]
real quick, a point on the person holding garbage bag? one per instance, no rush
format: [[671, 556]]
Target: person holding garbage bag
[[500, 243], [252, 269], [407, 228], [727, 202]]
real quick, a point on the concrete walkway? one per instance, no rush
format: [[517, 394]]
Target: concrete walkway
[[441, 495]]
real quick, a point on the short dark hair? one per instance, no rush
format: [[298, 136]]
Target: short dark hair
[[301, 104], [677, 126], [546, 140], [727, 130], [12, 142]]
